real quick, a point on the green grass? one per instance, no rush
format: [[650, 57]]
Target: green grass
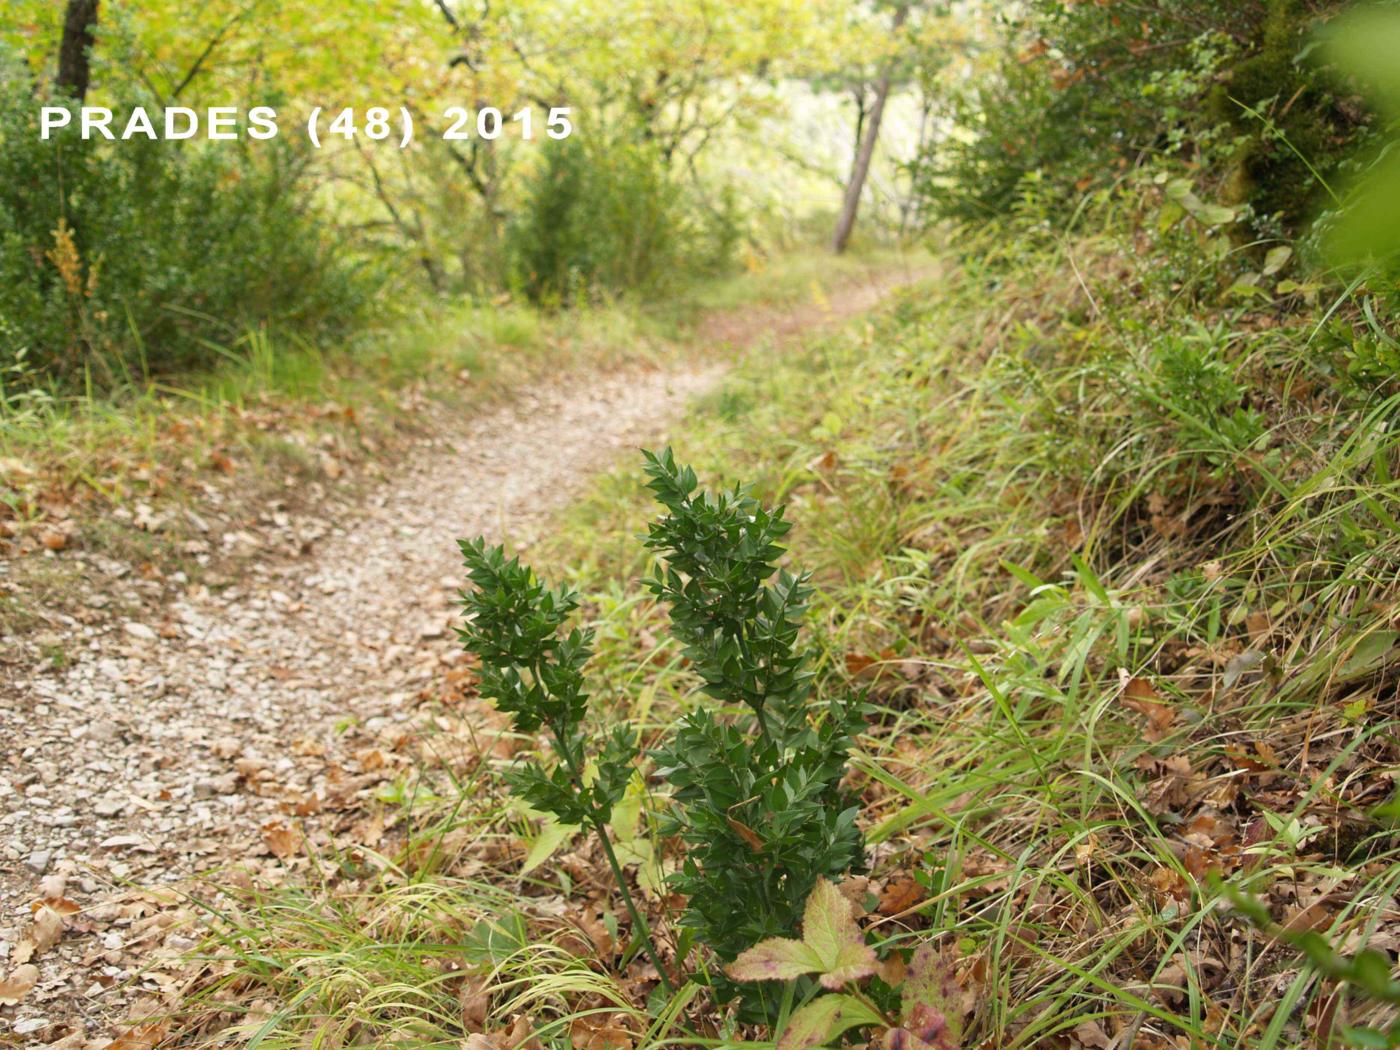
[[1117, 566], [453, 352]]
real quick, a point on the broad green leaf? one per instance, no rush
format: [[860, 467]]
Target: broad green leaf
[[823, 1019], [832, 946], [552, 835], [1277, 259], [1214, 214], [1368, 654], [1178, 189], [776, 959], [830, 930]]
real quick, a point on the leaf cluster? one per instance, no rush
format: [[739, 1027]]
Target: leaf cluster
[[533, 671], [833, 949], [758, 798], [756, 783]]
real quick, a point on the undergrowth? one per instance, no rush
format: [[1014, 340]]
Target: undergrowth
[[1109, 546]]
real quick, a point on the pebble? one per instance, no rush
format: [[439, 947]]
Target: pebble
[[38, 861]]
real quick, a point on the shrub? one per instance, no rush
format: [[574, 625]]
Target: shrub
[[1081, 94], [609, 219], [755, 784], [118, 258], [760, 806]]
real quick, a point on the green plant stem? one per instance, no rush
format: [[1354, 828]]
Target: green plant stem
[[638, 921], [856, 993]]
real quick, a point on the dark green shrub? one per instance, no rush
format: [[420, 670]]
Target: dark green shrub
[[760, 806], [755, 783], [610, 219], [118, 258], [1084, 91]]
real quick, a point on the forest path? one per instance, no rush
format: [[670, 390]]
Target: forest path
[[228, 724]]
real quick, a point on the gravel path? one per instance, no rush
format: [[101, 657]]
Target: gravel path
[[166, 747], [223, 727]]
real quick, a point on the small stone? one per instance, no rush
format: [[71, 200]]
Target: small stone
[[108, 806], [30, 1024], [38, 861], [103, 730], [139, 630]]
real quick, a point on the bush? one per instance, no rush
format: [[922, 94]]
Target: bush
[[121, 258], [756, 793], [1082, 93], [609, 219]]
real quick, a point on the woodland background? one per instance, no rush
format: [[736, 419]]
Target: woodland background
[[1065, 332]]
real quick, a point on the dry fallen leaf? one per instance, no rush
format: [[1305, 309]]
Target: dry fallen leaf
[[1140, 696], [893, 970], [1092, 1035], [61, 905], [522, 1035], [598, 934], [53, 540], [144, 1037], [900, 893], [44, 933], [474, 1000], [19, 984], [281, 840]]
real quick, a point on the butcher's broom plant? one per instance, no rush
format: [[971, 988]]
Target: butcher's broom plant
[[754, 775], [533, 671], [756, 780]]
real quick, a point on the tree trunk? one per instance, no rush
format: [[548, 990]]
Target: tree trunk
[[851, 205], [75, 49]]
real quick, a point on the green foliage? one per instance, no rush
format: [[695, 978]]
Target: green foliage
[[534, 674], [834, 948], [608, 219], [1366, 973], [1292, 127], [1193, 385], [759, 805], [1363, 45], [1082, 93], [758, 799], [118, 259]]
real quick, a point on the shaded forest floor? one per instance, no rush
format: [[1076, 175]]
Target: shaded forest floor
[[163, 722]]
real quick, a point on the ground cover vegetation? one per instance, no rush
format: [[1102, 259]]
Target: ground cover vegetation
[[1101, 527], [1071, 716]]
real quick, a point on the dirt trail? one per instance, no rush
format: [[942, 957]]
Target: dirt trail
[[229, 723]]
